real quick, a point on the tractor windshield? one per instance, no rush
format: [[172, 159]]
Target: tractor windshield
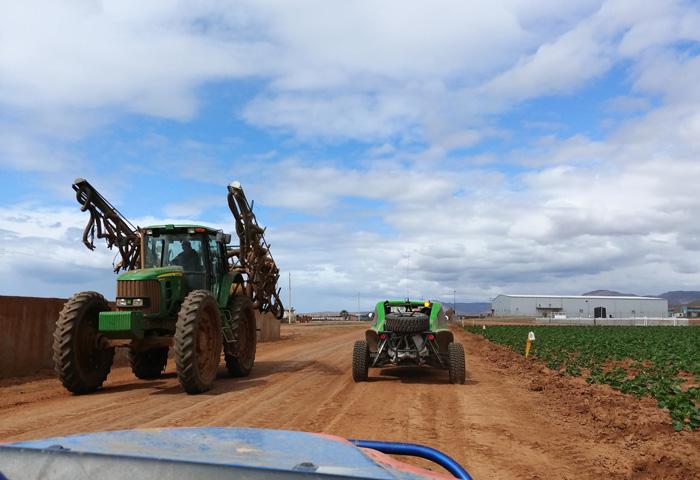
[[173, 249]]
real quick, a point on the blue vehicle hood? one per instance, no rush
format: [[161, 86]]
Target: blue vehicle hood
[[196, 453]]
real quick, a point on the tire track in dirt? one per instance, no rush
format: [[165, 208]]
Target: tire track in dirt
[[127, 402], [495, 424]]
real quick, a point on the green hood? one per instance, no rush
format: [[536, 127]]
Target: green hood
[[151, 273]]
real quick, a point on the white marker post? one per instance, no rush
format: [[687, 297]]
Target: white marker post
[[528, 344]]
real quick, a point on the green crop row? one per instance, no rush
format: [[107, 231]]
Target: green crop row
[[643, 361]]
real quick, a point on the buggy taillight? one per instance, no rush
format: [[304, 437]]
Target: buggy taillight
[[431, 337]]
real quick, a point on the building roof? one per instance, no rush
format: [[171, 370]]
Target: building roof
[[583, 297], [694, 304]]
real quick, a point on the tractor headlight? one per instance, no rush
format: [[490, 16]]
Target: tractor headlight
[[130, 302]]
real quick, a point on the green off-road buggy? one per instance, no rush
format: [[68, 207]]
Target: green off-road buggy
[[408, 333]]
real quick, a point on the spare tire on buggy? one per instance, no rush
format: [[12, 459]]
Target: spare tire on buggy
[[401, 322]]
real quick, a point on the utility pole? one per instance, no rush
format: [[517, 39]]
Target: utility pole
[[454, 302], [290, 309], [358, 305]]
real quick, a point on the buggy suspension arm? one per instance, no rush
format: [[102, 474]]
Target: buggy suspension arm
[[254, 256], [108, 223]]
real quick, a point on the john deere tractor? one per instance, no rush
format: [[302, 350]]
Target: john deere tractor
[[184, 288]]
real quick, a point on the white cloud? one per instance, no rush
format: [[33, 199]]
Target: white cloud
[[333, 69], [19, 152], [626, 104], [93, 55], [615, 213], [557, 67], [566, 212], [193, 207], [339, 116]]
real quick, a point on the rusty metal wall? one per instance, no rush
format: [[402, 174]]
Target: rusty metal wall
[[26, 334], [268, 326]]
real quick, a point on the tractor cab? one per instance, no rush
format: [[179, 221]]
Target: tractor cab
[[200, 251]]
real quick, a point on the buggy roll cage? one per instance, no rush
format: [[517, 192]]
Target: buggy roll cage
[[415, 450]]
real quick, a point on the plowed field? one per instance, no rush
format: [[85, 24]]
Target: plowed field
[[511, 420]]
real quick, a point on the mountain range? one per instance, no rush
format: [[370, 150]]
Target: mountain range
[[473, 308]]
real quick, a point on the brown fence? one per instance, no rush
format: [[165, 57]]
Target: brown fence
[[27, 326], [26, 334]]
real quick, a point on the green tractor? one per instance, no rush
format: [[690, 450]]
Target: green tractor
[[184, 288], [408, 333]]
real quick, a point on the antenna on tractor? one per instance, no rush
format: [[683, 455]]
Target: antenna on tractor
[[408, 288]]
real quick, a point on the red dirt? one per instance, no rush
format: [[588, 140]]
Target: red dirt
[[513, 419]]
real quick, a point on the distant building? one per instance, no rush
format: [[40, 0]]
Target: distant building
[[692, 310], [578, 306]]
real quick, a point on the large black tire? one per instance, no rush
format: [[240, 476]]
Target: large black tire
[[406, 323], [198, 341], [456, 363], [240, 362], [148, 364], [81, 365], [360, 361]]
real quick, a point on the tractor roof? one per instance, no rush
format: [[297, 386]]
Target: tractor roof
[[203, 229]]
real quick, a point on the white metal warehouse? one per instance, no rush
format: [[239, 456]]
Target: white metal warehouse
[[578, 306]]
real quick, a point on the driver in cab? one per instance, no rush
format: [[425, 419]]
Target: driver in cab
[[188, 259]]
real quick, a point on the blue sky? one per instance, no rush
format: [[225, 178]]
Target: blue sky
[[490, 147]]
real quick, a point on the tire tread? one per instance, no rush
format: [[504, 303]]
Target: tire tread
[[456, 363], [239, 305], [360, 361], [401, 323], [185, 338], [63, 353]]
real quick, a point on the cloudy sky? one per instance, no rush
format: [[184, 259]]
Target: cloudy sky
[[392, 148]]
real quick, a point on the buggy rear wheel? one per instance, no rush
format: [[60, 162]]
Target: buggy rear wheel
[[456, 363], [360, 361]]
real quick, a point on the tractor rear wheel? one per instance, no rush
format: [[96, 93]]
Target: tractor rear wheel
[[360, 361], [148, 364], [81, 364], [240, 361], [455, 358], [198, 341]]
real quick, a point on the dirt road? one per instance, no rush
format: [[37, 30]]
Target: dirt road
[[512, 420]]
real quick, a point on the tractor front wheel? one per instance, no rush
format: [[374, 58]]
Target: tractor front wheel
[[81, 363], [240, 359], [149, 364], [198, 341]]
